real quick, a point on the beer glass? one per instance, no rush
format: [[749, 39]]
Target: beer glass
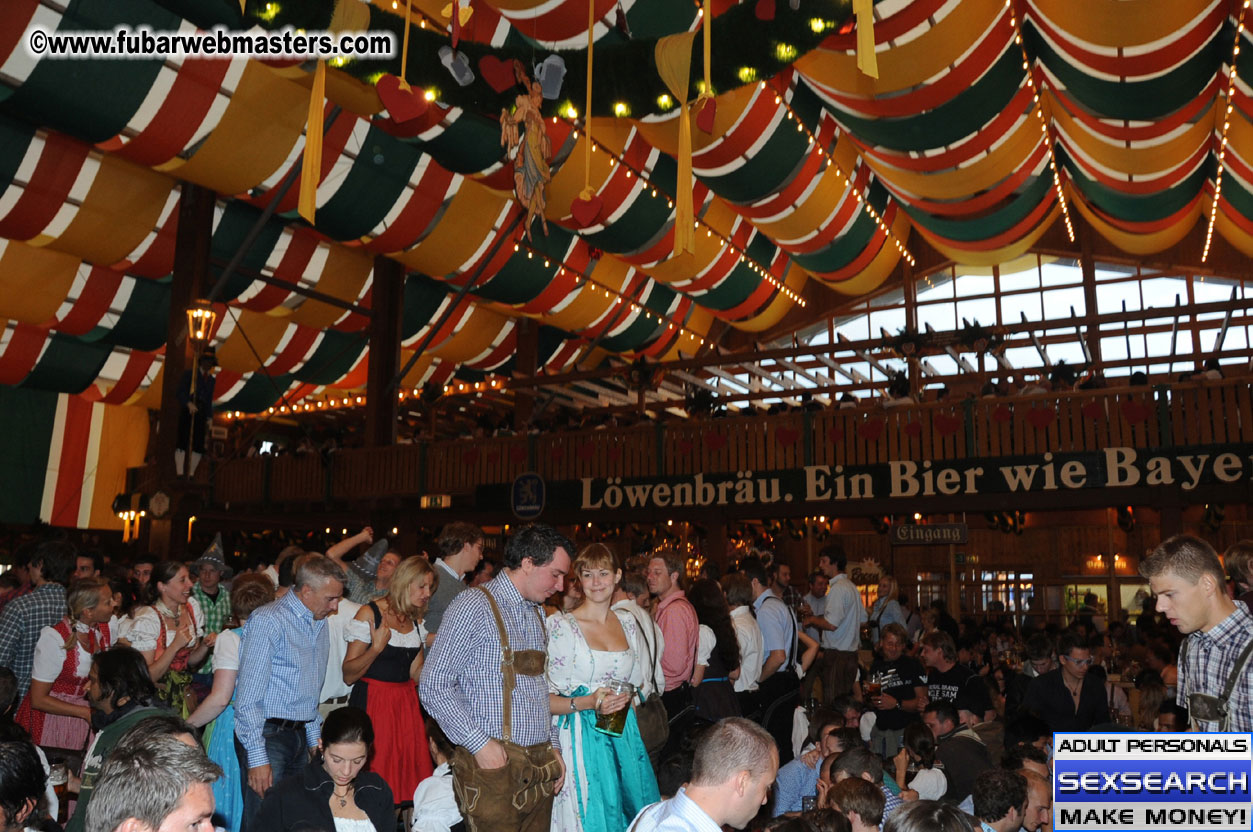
[[614, 723]]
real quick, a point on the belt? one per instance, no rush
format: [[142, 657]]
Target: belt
[[337, 700], [287, 724]]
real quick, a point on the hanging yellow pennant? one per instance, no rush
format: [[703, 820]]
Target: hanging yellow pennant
[[673, 54], [311, 166], [867, 62], [588, 191]]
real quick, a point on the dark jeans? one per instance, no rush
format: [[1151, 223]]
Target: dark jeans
[[288, 751]]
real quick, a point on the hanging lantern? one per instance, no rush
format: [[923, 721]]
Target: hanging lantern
[[200, 320]]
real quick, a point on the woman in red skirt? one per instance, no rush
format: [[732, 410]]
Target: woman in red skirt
[[383, 663], [55, 710]]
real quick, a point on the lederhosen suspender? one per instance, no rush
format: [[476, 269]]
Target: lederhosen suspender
[[513, 662]]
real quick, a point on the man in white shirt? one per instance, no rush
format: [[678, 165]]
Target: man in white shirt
[[734, 767], [627, 597], [840, 624], [739, 591], [334, 689]]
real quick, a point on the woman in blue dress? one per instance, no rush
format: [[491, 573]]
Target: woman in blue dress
[[217, 711], [608, 778]]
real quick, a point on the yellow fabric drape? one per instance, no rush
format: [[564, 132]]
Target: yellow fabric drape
[[780, 305], [1130, 242], [588, 191], [34, 282], [866, 60], [1117, 23], [674, 64], [123, 440], [311, 164], [254, 137], [343, 275], [264, 331], [991, 257]]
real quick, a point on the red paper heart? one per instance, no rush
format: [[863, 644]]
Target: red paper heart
[[946, 425], [517, 454], [1041, 417], [496, 72], [912, 429], [1002, 413], [402, 104], [615, 454], [787, 436], [1093, 410], [493, 457], [765, 10], [557, 454], [586, 212], [705, 118], [686, 446], [1134, 411], [715, 441], [587, 450], [470, 457], [871, 430]]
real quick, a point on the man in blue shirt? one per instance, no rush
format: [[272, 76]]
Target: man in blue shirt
[[799, 778], [1000, 800], [282, 665], [734, 766]]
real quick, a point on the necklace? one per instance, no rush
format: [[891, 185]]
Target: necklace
[[166, 611], [342, 798]]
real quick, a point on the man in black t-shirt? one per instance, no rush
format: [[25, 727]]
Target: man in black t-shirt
[[946, 680], [903, 691]]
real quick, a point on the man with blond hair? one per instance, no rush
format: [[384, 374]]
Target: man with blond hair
[[735, 765], [1215, 683]]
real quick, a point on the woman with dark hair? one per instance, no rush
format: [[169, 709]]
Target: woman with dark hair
[[928, 816], [170, 635], [382, 663], [915, 763], [55, 710], [334, 792], [22, 781], [717, 653], [121, 696], [248, 592]]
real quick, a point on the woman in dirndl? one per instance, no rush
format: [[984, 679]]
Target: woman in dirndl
[[170, 635], [248, 593], [55, 711], [383, 663]]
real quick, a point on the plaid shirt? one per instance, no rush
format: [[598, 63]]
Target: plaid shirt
[[1211, 657], [461, 681], [13, 595], [791, 596], [217, 614], [20, 625]]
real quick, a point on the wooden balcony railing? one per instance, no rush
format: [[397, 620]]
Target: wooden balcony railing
[[1205, 413]]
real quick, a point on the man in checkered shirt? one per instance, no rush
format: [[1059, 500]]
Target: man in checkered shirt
[[24, 618], [1188, 580]]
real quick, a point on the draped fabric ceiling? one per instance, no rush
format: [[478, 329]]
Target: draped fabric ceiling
[[946, 143]]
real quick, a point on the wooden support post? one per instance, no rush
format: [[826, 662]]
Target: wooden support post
[[526, 364], [167, 535], [387, 307]]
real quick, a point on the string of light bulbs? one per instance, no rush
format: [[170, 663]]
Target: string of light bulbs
[[746, 259], [841, 176], [1038, 109], [1222, 144], [614, 294]]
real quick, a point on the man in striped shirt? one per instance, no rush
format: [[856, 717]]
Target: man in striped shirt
[[1191, 588], [497, 712], [282, 665]]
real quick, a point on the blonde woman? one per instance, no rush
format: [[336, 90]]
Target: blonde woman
[[886, 608], [55, 710], [383, 661]]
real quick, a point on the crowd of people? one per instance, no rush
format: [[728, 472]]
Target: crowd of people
[[573, 690]]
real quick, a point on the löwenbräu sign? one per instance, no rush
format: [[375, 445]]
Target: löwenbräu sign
[[1185, 468]]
